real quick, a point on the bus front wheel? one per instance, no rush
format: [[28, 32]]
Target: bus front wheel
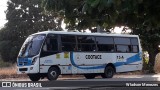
[[34, 77], [108, 72], [53, 73]]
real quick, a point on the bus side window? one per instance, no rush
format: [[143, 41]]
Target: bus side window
[[123, 48], [105, 44], [45, 47], [53, 44], [50, 46], [68, 43], [86, 43]]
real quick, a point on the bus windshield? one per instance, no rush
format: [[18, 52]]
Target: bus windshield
[[31, 46]]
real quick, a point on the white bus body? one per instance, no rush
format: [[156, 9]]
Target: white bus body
[[89, 54]]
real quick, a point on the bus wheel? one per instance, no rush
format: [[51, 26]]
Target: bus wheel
[[108, 72], [89, 76], [34, 77], [53, 73]]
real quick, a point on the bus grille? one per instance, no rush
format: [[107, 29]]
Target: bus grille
[[23, 69], [23, 62]]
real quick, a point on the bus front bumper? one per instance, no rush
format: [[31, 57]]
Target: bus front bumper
[[27, 70]]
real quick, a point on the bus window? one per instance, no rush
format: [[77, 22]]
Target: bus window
[[86, 39], [86, 43], [104, 40], [105, 47], [123, 41], [86, 47], [68, 47], [135, 48], [105, 44], [123, 44], [68, 39], [134, 41], [47, 45], [68, 43], [50, 45], [123, 48]]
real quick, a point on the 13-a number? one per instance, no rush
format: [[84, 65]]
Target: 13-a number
[[120, 57]]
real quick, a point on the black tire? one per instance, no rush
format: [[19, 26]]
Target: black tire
[[89, 76], [34, 77], [53, 73], [108, 72]]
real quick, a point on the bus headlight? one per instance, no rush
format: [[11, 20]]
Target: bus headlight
[[34, 60]]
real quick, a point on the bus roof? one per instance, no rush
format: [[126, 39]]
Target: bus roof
[[84, 33]]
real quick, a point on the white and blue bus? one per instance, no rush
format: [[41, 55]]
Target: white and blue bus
[[53, 53]]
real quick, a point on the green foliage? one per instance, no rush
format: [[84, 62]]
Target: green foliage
[[5, 50], [145, 60], [5, 64], [51, 5], [24, 17]]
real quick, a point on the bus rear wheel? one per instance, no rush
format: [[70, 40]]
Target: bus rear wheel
[[53, 73], [34, 77], [89, 76], [108, 72]]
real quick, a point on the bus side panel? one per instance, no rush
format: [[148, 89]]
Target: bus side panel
[[93, 58], [62, 60], [129, 62], [88, 63], [91, 62]]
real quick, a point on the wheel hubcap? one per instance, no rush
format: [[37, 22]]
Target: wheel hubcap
[[53, 73], [110, 73]]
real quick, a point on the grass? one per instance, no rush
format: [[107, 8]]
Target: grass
[[6, 69], [9, 70], [5, 64]]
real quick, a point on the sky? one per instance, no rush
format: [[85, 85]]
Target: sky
[[3, 8]]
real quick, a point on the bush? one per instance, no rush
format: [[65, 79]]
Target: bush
[[145, 61], [4, 64]]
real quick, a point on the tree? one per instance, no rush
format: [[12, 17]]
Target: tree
[[24, 18], [142, 16], [70, 11]]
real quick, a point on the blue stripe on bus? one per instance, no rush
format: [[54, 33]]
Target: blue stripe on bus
[[132, 59]]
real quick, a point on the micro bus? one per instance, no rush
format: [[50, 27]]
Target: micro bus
[[53, 53]]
